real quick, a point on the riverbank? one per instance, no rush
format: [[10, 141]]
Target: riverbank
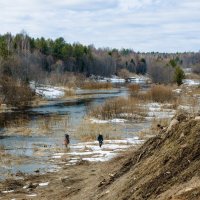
[[164, 167], [35, 146]]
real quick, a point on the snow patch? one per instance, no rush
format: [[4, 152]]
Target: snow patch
[[98, 121], [178, 91], [156, 110], [7, 191], [191, 82], [53, 170], [31, 195], [56, 157], [44, 184], [90, 151], [48, 91], [184, 107]]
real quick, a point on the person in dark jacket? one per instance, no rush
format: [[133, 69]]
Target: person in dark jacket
[[66, 141], [100, 139]]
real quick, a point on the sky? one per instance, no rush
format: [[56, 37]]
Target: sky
[[141, 25]]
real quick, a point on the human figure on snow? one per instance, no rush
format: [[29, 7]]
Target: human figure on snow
[[100, 139]]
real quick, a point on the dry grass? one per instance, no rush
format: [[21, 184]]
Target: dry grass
[[192, 76], [20, 122], [2, 147], [42, 126], [162, 122], [188, 103], [88, 131], [144, 134], [157, 93], [52, 124], [144, 96], [133, 89], [117, 107], [195, 91], [96, 86], [161, 93], [69, 92]]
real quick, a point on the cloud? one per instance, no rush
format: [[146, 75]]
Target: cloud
[[143, 25]]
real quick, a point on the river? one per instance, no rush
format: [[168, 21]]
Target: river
[[47, 125]]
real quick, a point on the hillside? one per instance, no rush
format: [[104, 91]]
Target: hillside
[[165, 167]]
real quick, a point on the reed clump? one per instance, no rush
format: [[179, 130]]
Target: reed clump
[[133, 89], [88, 131], [117, 108], [161, 93], [69, 92], [96, 85]]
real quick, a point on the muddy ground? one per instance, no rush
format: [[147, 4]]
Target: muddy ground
[[165, 167], [80, 181]]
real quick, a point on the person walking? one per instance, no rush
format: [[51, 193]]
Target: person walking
[[100, 139]]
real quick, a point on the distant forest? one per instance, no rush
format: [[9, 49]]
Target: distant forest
[[25, 58]]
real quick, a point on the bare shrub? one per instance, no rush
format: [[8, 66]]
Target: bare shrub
[[68, 79], [15, 93], [124, 73], [160, 72], [196, 68]]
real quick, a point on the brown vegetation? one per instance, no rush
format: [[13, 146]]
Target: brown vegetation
[[95, 85], [69, 92], [124, 73], [133, 89], [15, 93], [161, 93], [131, 107], [88, 131], [117, 107], [157, 93], [196, 68], [165, 167]]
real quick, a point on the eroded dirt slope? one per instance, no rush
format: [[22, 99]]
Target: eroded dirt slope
[[165, 167]]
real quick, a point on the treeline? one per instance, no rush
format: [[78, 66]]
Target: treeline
[[26, 58], [23, 59], [47, 55]]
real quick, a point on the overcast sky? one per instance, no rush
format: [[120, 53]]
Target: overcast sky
[[142, 25]]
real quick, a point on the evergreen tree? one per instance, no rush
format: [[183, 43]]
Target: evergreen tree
[[179, 75]]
